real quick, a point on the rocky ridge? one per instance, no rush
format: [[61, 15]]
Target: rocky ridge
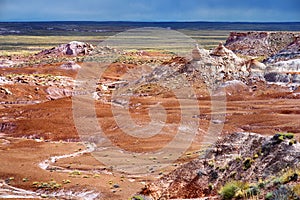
[[216, 66], [248, 157], [284, 66], [291, 51], [258, 43]]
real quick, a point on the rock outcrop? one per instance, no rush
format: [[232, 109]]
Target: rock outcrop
[[284, 66], [292, 51], [199, 53], [73, 48], [258, 43], [222, 64], [247, 157], [211, 67], [282, 49]]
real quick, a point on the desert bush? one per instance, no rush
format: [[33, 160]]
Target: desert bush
[[296, 189], [139, 197], [75, 172], [46, 185], [292, 141], [289, 175], [252, 191], [233, 189], [289, 135], [247, 163], [279, 137], [269, 196]]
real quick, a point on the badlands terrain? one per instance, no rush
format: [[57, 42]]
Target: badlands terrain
[[235, 102]]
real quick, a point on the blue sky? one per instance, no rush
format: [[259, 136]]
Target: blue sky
[[150, 10]]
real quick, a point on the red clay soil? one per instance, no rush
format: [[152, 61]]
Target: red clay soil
[[266, 111]]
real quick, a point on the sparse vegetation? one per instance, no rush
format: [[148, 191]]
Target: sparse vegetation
[[66, 181], [25, 179], [292, 141], [289, 135], [75, 172], [289, 175], [280, 137], [233, 189], [137, 197], [269, 196], [210, 186], [96, 176], [47, 185], [247, 163], [296, 189]]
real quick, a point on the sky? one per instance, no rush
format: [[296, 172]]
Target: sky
[[151, 10]]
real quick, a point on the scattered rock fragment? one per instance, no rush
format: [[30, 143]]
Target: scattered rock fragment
[[70, 66]]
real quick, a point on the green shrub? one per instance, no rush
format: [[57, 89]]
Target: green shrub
[[296, 189], [289, 135], [289, 175], [25, 179], [269, 196], [210, 186], [292, 141], [279, 137], [75, 172], [66, 181], [252, 191], [230, 189], [247, 163], [137, 197], [47, 185]]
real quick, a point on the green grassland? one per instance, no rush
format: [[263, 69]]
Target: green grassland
[[27, 44], [29, 37], [23, 44]]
